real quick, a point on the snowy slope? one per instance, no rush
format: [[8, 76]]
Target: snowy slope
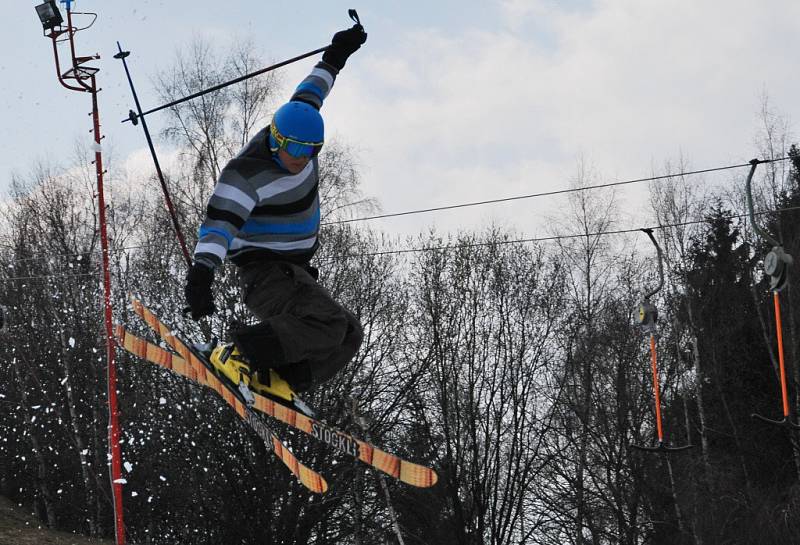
[[17, 527]]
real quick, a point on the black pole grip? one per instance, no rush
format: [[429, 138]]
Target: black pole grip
[[354, 16]]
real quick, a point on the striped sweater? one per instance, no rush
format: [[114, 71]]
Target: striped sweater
[[258, 210]]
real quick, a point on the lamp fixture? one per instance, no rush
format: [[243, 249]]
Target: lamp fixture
[[49, 15]]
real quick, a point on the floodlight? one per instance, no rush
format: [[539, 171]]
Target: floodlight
[[49, 15]]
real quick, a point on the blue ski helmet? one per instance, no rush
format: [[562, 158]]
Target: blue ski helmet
[[298, 129]]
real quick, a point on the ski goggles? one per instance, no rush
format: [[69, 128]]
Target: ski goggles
[[295, 148]]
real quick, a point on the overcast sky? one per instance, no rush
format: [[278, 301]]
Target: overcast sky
[[450, 101]]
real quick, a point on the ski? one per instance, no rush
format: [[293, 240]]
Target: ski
[[394, 466], [204, 376]]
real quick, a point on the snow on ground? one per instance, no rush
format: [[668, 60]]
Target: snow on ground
[[18, 527]]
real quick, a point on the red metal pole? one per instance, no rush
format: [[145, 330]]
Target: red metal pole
[[80, 76], [113, 409]]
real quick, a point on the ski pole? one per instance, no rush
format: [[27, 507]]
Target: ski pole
[[133, 117], [122, 55]]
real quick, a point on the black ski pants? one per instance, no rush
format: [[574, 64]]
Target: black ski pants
[[303, 333]]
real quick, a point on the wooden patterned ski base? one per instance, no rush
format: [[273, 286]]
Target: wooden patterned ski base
[[199, 373], [403, 470]]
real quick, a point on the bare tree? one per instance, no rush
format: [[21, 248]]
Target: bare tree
[[484, 321], [588, 269]]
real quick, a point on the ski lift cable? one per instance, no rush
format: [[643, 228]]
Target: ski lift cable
[[494, 201], [54, 256], [554, 192], [97, 252], [550, 238], [449, 247], [43, 276]]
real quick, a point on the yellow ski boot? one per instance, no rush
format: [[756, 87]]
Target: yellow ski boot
[[272, 385], [227, 359]]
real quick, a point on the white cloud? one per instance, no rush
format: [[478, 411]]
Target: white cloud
[[480, 114], [444, 115]]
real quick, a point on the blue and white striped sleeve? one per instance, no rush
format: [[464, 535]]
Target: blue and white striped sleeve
[[227, 210], [316, 86]]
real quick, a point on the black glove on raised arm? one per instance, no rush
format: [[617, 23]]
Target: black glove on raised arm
[[198, 291], [344, 44]]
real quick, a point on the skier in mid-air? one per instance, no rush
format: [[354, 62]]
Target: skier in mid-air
[[264, 215]]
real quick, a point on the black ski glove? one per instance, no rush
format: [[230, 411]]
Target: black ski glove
[[312, 271], [344, 44], [198, 291]]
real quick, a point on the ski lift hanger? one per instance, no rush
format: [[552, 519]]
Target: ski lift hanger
[[776, 265], [647, 314]]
